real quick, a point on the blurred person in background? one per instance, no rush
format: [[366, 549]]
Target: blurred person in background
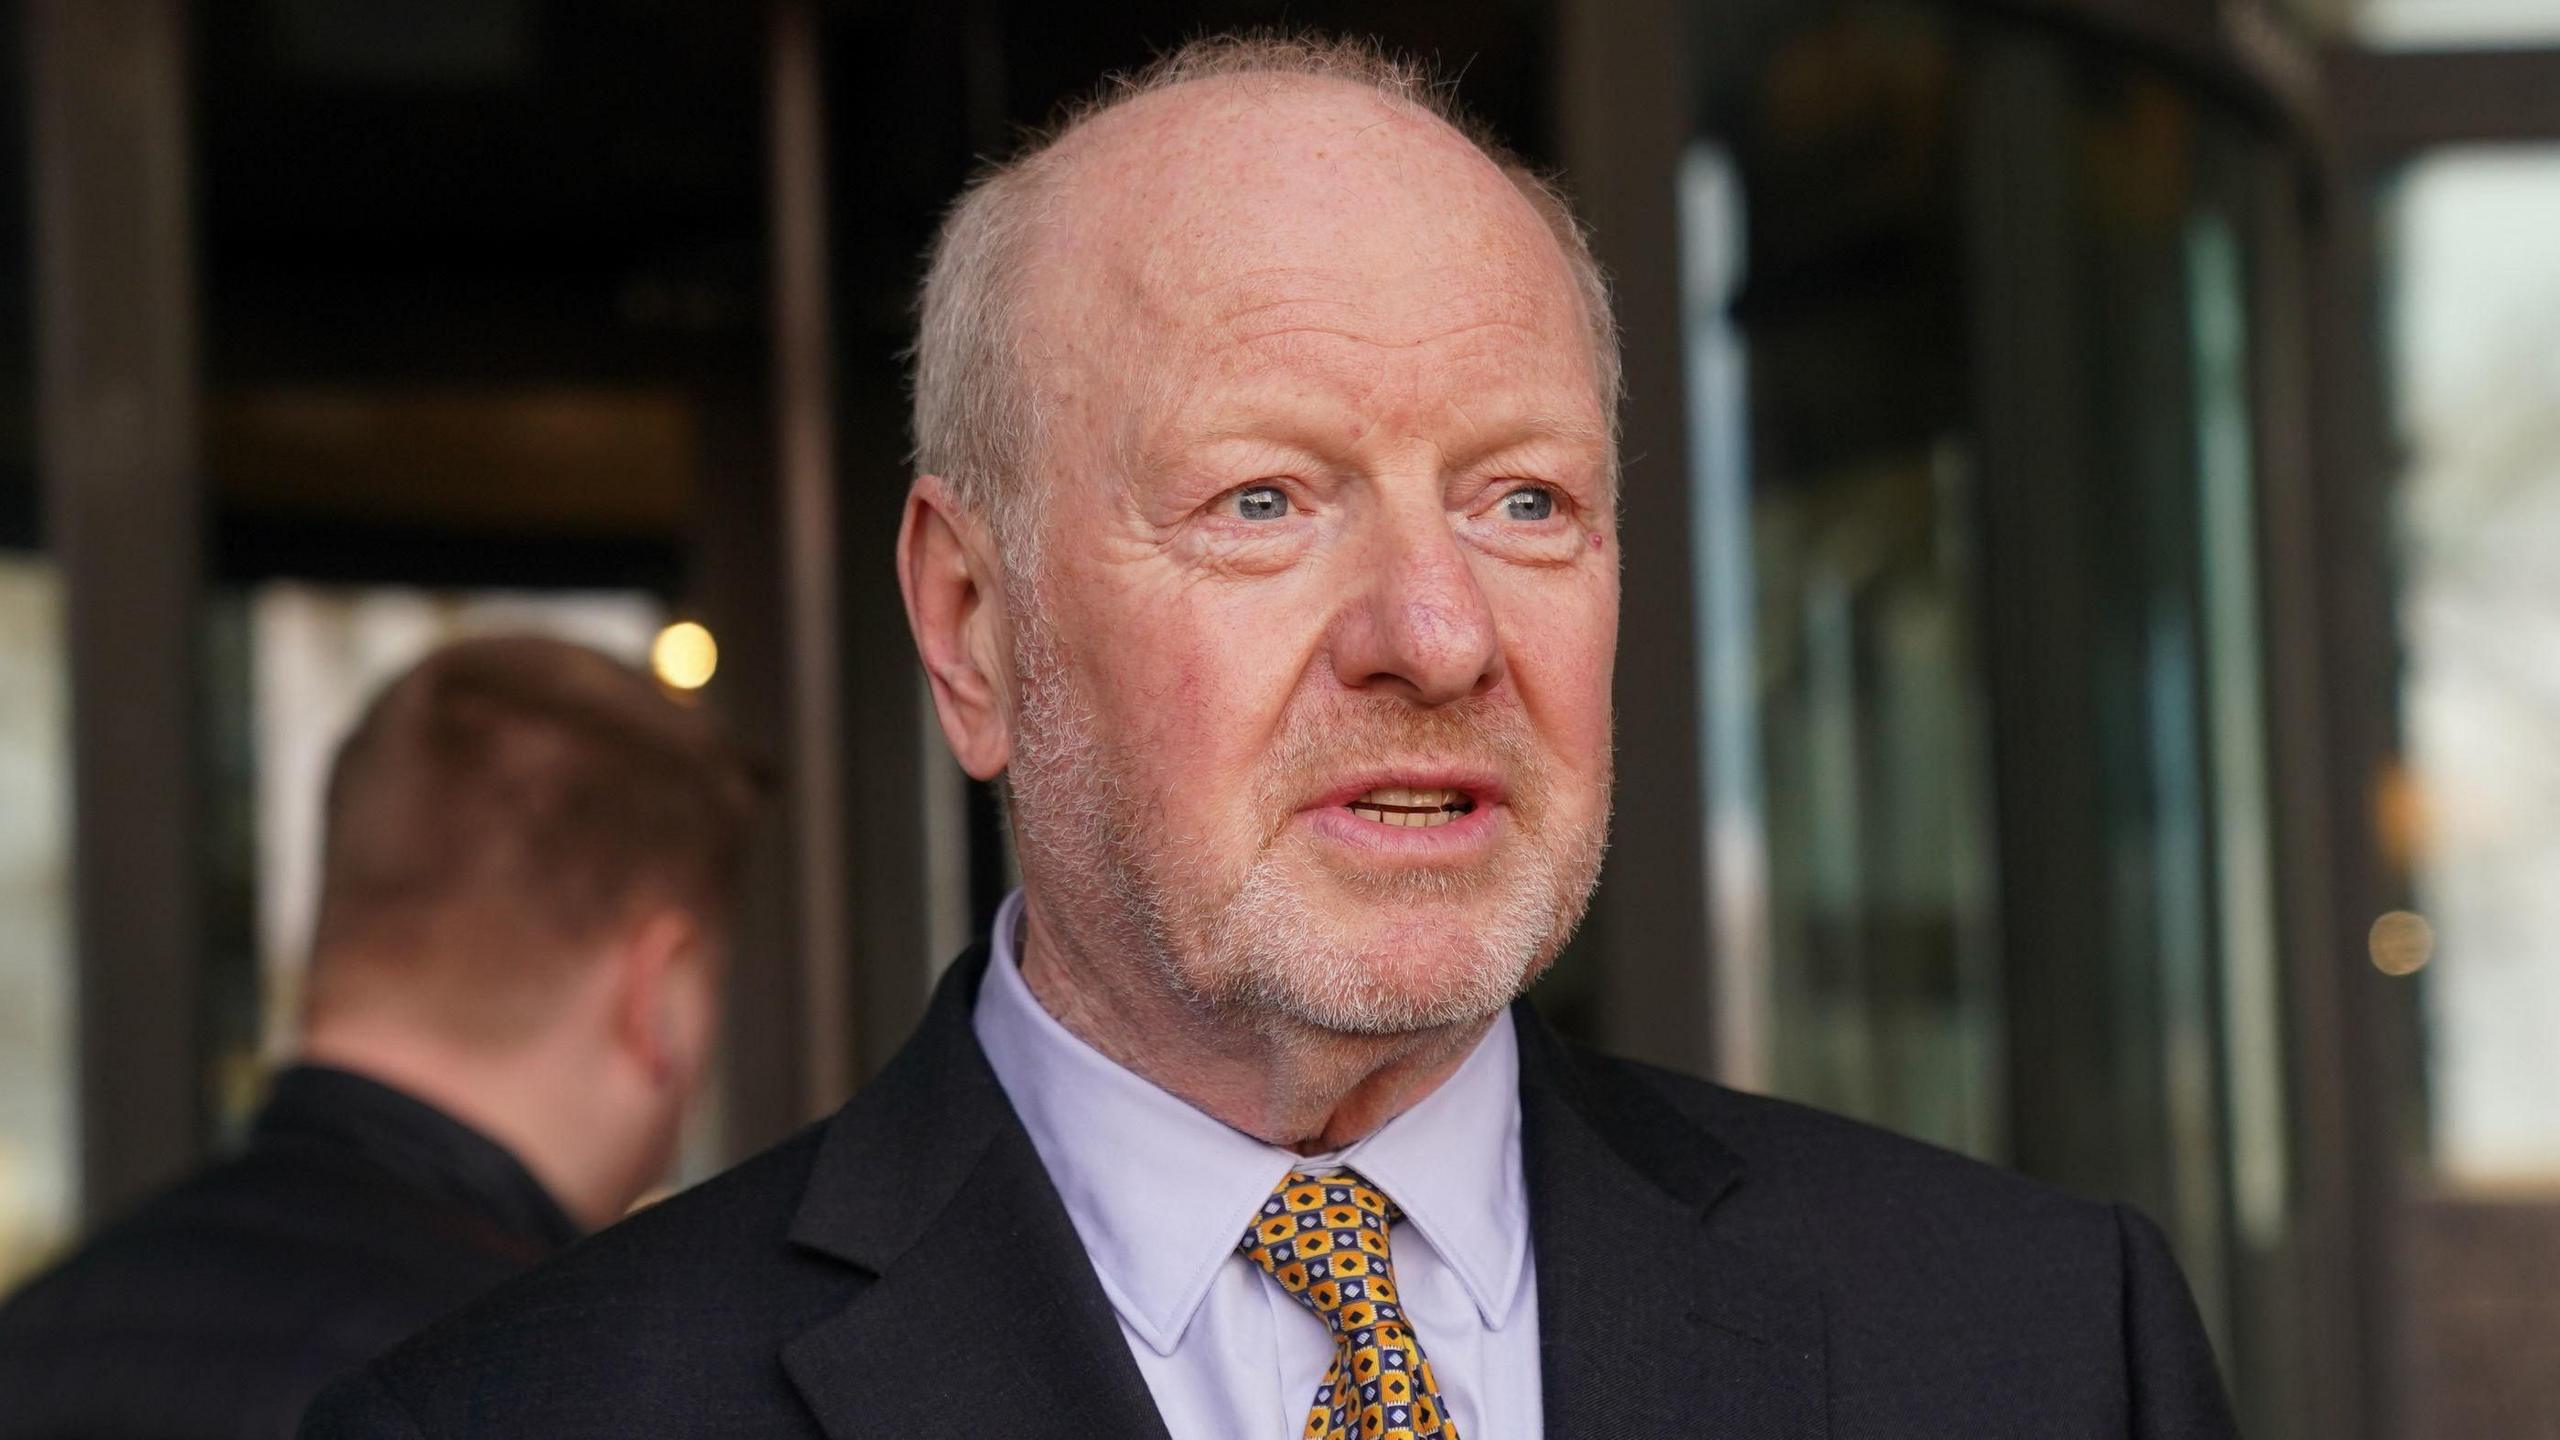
[[515, 977]]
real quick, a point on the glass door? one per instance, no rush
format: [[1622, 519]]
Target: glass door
[[2468, 825], [39, 1080], [1971, 314]]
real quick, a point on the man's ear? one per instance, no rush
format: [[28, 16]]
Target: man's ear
[[947, 569], [666, 996]]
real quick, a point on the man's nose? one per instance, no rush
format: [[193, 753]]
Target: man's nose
[[1416, 623]]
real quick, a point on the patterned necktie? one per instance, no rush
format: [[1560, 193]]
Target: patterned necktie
[[1324, 1238]]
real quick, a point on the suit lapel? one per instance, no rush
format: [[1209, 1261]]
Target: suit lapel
[[984, 1315], [1648, 1323]]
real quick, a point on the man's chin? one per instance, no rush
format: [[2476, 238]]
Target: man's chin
[[1396, 1006], [1309, 943], [1386, 975]]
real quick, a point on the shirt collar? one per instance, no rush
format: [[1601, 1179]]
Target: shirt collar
[[1452, 1164], [1160, 1192]]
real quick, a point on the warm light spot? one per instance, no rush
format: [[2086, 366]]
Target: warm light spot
[[2401, 943], [684, 655], [2402, 818]]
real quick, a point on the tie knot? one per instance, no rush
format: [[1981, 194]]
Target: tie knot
[[1324, 1238]]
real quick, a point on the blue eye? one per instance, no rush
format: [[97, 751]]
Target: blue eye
[[1261, 502], [1529, 503]]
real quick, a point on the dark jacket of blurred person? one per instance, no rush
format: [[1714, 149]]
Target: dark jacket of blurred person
[[513, 992]]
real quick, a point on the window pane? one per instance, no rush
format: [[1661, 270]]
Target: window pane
[[37, 1078], [1833, 485], [2475, 312], [1973, 379], [2456, 24]]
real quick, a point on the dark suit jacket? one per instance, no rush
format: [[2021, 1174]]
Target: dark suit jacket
[[354, 1216], [1708, 1264]]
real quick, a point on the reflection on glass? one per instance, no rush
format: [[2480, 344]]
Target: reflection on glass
[[1884, 978], [2456, 24], [2244, 871], [1850, 861], [1968, 315], [2476, 366], [1712, 263], [37, 1076]]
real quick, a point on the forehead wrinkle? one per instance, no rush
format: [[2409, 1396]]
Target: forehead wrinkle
[[1256, 340], [1283, 368], [1251, 307], [1538, 422], [1422, 317]]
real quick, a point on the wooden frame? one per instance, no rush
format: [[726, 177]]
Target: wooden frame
[[116, 419]]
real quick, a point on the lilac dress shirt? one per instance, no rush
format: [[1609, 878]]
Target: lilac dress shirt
[[1160, 1193]]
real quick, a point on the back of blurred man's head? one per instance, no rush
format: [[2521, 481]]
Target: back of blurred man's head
[[530, 858]]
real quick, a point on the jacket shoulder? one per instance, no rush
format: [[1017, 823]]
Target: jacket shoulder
[[239, 1290], [676, 1311], [1846, 1168], [1948, 1286], [1900, 1236], [1952, 1283]]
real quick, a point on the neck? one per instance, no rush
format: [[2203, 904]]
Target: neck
[[1283, 1082]]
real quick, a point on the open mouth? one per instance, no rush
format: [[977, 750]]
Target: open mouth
[[1410, 808]]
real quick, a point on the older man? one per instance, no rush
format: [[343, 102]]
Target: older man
[[1266, 549]]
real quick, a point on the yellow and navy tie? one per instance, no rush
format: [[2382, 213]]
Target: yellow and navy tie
[[1324, 1238]]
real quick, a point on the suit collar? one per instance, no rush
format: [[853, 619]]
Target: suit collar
[[1598, 1100], [1650, 1322], [928, 1182], [930, 1114]]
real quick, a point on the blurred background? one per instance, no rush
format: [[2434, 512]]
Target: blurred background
[[2091, 681]]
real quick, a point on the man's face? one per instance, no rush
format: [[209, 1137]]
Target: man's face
[[1312, 672]]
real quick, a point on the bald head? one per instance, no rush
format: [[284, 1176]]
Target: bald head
[[1238, 183]]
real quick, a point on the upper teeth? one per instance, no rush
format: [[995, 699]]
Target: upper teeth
[[1404, 806]]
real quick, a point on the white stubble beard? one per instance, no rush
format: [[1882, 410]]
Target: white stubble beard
[[1252, 949]]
